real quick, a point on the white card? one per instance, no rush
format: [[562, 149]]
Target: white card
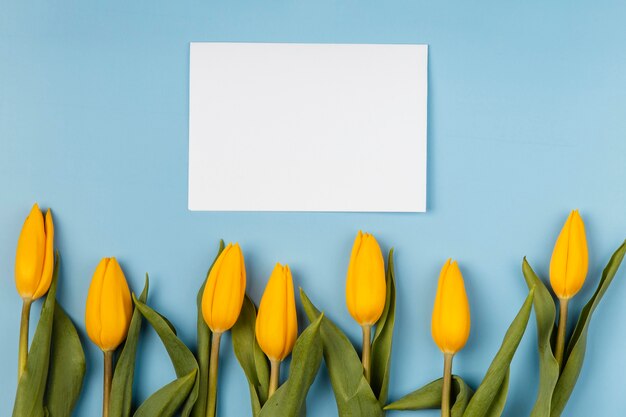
[[307, 127]]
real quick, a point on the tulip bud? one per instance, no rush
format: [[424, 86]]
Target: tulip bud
[[276, 322], [570, 258], [224, 290], [451, 315], [366, 288], [34, 259], [109, 306]]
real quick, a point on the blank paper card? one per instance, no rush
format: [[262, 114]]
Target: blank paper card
[[307, 127]]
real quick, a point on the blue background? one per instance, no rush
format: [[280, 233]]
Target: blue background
[[526, 121]]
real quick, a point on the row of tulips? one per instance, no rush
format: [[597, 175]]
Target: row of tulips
[[50, 374]]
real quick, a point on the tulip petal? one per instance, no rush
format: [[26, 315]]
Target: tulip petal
[[558, 262], [209, 290], [578, 257], [116, 307], [227, 295], [109, 306], [242, 278], [451, 315], [351, 283], [276, 325], [569, 262], [271, 322], [93, 319], [457, 316], [48, 261], [366, 285], [436, 324], [292, 317], [224, 291], [29, 258]]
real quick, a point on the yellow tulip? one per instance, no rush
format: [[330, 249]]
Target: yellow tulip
[[276, 323], [568, 270], [34, 264], [366, 289], [570, 258], [451, 315], [221, 304], [34, 259], [109, 307], [450, 325], [224, 290]]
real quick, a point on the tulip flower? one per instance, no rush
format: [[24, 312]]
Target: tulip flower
[[276, 323], [366, 289], [568, 270], [450, 323], [108, 313], [221, 304], [34, 264]]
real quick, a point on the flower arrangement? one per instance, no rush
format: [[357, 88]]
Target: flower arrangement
[[51, 366]]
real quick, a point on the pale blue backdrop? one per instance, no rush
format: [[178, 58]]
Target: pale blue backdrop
[[526, 121]]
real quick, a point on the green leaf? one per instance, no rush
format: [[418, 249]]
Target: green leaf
[[463, 393], [168, 399], [250, 356], [499, 401], [203, 347], [31, 388], [545, 313], [381, 347], [122, 385], [424, 398], [169, 323], [183, 360], [429, 397], [353, 394], [578, 342], [289, 399], [67, 366], [491, 392]]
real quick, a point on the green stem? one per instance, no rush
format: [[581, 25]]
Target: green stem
[[108, 379], [447, 384], [274, 377], [560, 336], [367, 347], [23, 349], [213, 367]]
